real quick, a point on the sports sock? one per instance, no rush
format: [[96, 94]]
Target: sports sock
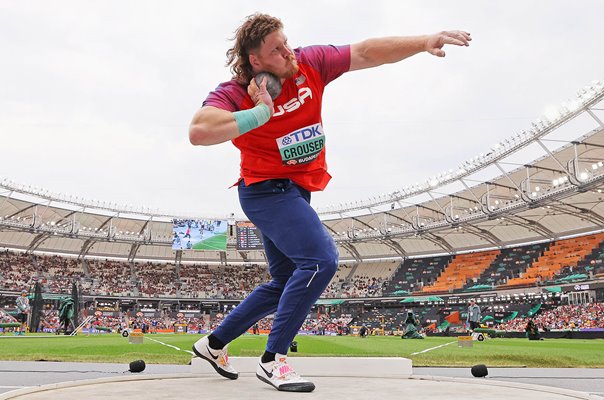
[[267, 357], [215, 343]]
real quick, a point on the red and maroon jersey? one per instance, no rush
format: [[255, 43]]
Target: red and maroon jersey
[[292, 143]]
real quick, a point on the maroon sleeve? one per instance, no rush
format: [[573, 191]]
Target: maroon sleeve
[[227, 96], [331, 61]]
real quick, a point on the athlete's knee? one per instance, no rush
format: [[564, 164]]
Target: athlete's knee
[[328, 267], [332, 259]]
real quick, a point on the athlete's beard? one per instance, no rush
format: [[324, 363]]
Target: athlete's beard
[[292, 69]]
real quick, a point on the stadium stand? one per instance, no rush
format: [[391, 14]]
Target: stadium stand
[[111, 278], [17, 271], [463, 268], [588, 268], [57, 273], [238, 282], [569, 260], [508, 264], [565, 317], [334, 289], [368, 279], [560, 254], [156, 280], [196, 281], [413, 274]]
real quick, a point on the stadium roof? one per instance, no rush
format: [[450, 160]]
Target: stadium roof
[[539, 185]]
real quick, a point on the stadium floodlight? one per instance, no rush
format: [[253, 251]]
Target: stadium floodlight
[[552, 113]]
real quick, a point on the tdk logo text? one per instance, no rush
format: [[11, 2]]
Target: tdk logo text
[[295, 103], [303, 134]]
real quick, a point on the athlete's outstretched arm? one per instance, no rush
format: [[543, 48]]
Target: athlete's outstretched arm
[[212, 125], [374, 52]]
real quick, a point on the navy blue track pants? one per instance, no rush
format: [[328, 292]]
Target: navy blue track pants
[[302, 259]]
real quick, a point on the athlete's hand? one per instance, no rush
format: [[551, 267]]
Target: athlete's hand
[[259, 94], [436, 42]]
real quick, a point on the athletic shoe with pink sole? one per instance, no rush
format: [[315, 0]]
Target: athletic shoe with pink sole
[[219, 359], [281, 376]]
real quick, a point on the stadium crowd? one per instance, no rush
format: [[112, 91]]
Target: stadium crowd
[[115, 278], [156, 280], [186, 281], [565, 317]]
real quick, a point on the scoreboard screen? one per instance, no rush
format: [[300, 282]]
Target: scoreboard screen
[[193, 234], [248, 237]]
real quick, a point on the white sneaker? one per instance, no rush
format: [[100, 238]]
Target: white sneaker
[[219, 359], [282, 377]]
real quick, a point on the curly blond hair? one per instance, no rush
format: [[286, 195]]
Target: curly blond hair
[[248, 37]]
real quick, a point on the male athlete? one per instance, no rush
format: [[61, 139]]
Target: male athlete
[[23, 309], [473, 318], [282, 144]]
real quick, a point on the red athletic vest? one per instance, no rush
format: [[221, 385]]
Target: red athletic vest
[[292, 143]]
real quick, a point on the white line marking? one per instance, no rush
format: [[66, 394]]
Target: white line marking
[[169, 345], [432, 348], [313, 276], [13, 387]]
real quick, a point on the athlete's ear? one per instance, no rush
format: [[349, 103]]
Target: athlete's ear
[[254, 62]]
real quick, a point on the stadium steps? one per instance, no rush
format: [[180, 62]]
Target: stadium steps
[[353, 270], [347, 283], [86, 268], [392, 284], [403, 279]]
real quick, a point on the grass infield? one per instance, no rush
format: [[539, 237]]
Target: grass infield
[[552, 353], [217, 242]]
